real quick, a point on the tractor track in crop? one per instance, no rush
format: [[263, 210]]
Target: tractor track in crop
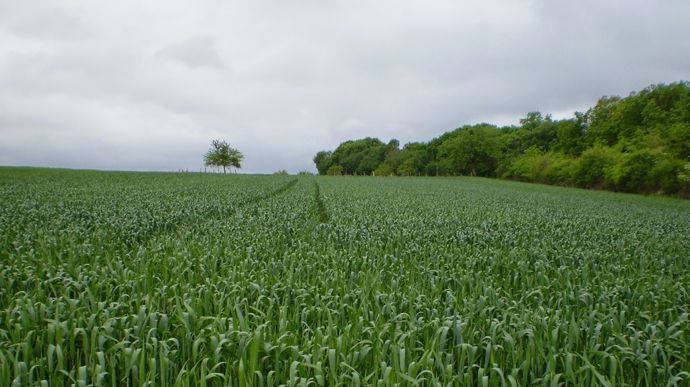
[[146, 237], [321, 211]]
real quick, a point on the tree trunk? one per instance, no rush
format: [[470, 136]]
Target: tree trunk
[[223, 169]]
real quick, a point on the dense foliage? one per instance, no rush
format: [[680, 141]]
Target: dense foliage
[[640, 143], [195, 279], [221, 154]]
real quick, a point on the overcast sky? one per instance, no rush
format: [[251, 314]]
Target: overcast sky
[[143, 85]]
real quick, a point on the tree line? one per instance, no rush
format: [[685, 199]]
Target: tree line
[[640, 143]]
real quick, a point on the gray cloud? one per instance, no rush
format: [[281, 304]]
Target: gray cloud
[[194, 53], [131, 85]]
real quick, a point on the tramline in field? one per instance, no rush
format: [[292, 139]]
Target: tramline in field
[[112, 278]]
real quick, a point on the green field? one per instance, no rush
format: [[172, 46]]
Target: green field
[[114, 278]]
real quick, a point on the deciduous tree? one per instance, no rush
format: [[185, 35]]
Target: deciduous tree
[[221, 154]]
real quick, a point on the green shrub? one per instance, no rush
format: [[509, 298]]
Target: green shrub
[[528, 166], [407, 169], [684, 174], [684, 181], [384, 170], [592, 169], [559, 169], [666, 175], [632, 172], [536, 166], [335, 170]]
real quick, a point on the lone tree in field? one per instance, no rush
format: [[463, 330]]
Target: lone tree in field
[[223, 155]]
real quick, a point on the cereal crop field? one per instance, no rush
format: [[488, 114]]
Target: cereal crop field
[[121, 278]]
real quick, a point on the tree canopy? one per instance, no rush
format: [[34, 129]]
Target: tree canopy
[[638, 143], [221, 154]]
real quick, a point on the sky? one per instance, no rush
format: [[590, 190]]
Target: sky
[[146, 85]]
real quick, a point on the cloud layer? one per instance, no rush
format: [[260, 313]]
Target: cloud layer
[[142, 86]]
